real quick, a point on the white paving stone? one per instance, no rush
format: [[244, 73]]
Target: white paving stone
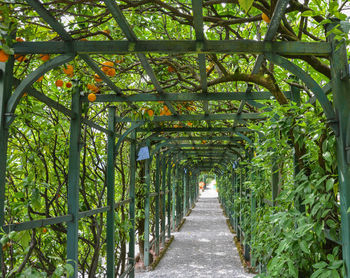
[[203, 248]]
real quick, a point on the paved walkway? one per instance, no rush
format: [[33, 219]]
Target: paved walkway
[[203, 248]]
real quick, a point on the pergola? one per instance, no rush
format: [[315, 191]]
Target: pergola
[[183, 155]]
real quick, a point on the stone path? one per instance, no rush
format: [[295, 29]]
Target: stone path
[[203, 248]]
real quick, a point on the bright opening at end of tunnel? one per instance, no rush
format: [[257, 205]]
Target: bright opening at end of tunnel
[[210, 190]]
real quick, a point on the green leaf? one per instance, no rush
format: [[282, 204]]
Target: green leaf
[[304, 246], [321, 264], [336, 264], [329, 184], [293, 271], [317, 273], [245, 4], [307, 13]]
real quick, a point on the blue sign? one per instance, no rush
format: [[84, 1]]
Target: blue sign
[[143, 154]]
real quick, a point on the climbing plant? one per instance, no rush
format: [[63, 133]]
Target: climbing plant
[[38, 144], [297, 233]]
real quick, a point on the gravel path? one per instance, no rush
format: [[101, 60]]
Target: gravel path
[[203, 248]]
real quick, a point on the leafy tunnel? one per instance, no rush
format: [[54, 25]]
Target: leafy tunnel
[[112, 112]]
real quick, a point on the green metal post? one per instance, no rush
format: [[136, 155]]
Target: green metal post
[[163, 202], [177, 194], [341, 89], [157, 197], [252, 225], [236, 191], [110, 179], [132, 203], [173, 188], [195, 184], [190, 189], [147, 213], [5, 93], [240, 204], [185, 193], [73, 181], [170, 194]]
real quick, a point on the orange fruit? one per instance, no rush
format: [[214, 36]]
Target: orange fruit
[[111, 72], [118, 61], [189, 124], [69, 70], [150, 112], [40, 78], [203, 141], [165, 108], [207, 69], [19, 39], [20, 58], [97, 78], [107, 66], [168, 113], [69, 85], [92, 97], [107, 31], [92, 87], [265, 18], [59, 83], [171, 69], [44, 230], [25, 94], [44, 57], [3, 56]]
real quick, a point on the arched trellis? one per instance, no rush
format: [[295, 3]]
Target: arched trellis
[[339, 116]]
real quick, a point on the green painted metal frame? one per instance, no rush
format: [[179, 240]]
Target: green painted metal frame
[[185, 96], [131, 255], [339, 118], [110, 179], [73, 182], [322, 49]]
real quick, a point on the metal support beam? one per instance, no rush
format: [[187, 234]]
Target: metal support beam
[[214, 117], [185, 96], [341, 89], [73, 182], [157, 200], [164, 168], [110, 180], [185, 192], [169, 183], [6, 78], [132, 203], [196, 129], [147, 213], [175, 47]]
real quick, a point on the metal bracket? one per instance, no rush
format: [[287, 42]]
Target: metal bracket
[[10, 117], [345, 73], [334, 123], [347, 142]]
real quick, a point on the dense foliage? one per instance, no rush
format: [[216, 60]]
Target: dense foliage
[[295, 234], [39, 137]]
